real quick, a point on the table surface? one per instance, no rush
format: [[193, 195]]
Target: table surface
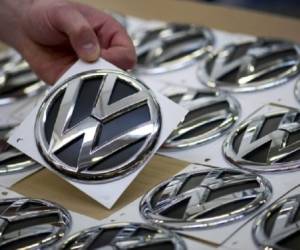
[[218, 17], [46, 185]]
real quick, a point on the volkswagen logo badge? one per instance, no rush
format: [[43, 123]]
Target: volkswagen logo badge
[[278, 226], [210, 114], [124, 236], [266, 141], [16, 78], [171, 47], [98, 125], [31, 223], [250, 66], [204, 199], [11, 160]]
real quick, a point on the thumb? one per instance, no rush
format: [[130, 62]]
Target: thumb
[[82, 37]]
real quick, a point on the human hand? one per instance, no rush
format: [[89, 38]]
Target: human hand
[[53, 34]]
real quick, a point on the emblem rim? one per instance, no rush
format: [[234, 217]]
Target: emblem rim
[[205, 79], [230, 155], [65, 221], [258, 227], [215, 133], [176, 240], [180, 63], [146, 210], [10, 152], [106, 175]]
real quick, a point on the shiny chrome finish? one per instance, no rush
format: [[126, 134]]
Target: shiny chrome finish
[[171, 47], [32, 224], [278, 224], [297, 90], [17, 79], [250, 66], [13, 161], [98, 125], [267, 141], [201, 199], [210, 115], [124, 236]]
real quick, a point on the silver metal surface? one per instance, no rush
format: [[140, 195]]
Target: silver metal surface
[[171, 47], [31, 223], [297, 90], [258, 145], [17, 79], [210, 115], [124, 236], [13, 161], [279, 225], [98, 159], [202, 199], [250, 66]]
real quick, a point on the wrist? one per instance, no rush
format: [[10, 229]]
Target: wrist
[[11, 15]]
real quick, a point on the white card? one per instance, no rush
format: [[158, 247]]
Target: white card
[[107, 193]]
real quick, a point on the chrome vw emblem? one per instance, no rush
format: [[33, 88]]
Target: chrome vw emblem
[[124, 236], [251, 65], [210, 115], [31, 223], [16, 78], [278, 227], [205, 199], [267, 141], [11, 160], [98, 125], [171, 47]]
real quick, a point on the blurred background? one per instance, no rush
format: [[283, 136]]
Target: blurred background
[[289, 8]]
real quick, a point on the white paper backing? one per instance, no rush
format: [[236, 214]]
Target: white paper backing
[[105, 193]]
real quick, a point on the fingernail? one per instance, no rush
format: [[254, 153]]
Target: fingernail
[[91, 51]]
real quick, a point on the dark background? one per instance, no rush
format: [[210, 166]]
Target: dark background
[[289, 8]]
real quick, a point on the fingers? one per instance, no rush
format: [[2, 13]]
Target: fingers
[[116, 46], [71, 22]]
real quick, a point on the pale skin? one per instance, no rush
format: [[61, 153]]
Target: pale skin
[[52, 34]]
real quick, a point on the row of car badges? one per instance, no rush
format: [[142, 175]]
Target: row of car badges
[[17, 79], [250, 66], [204, 199], [37, 224], [171, 47], [78, 128], [32, 223], [210, 114], [268, 140], [124, 236], [11, 160]]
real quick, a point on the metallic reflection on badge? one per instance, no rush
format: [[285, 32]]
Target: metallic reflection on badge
[[210, 115], [32, 223], [268, 140], [171, 47], [17, 80], [250, 66], [124, 236], [13, 161], [278, 226], [205, 199], [98, 126]]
